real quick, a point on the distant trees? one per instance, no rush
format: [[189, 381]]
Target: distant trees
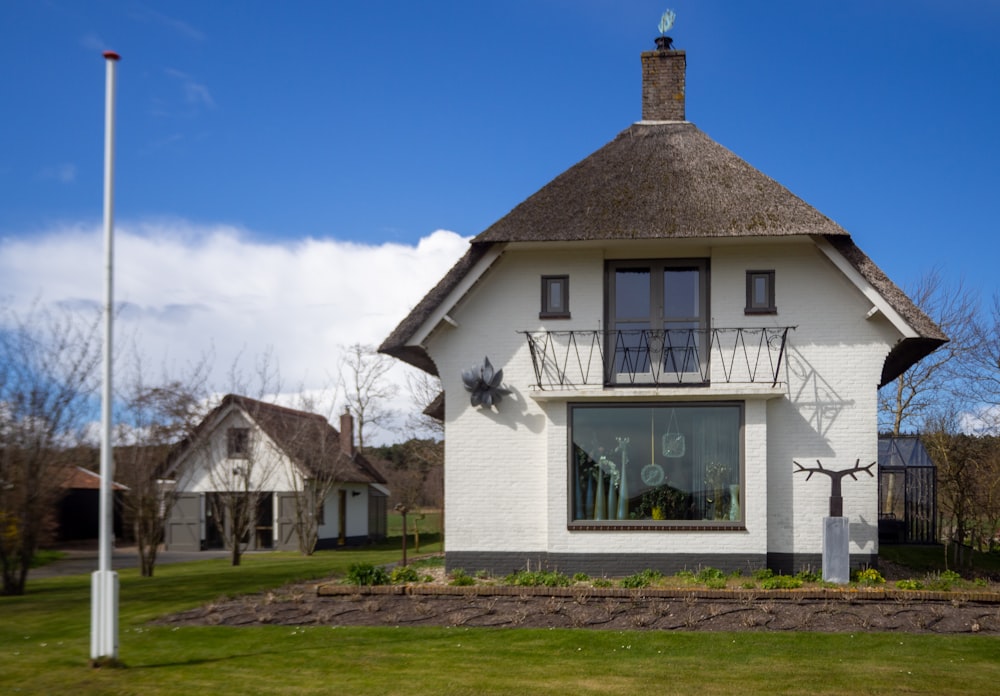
[[48, 374], [921, 391], [367, 389]]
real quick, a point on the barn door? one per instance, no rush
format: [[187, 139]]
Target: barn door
[[285, 538], [184, 525]]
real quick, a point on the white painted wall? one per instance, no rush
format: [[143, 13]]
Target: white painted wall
[[506, 471], [357, 511], [209, 468]]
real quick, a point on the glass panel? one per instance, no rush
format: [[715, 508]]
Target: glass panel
[[760, 293], [682, 348], [680, 293], [555, 295], [632, 293], [632, 348], [652, 463]]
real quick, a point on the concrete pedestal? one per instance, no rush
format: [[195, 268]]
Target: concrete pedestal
[[836, 550]]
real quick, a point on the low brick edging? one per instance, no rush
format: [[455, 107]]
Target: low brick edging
[[874, 594]]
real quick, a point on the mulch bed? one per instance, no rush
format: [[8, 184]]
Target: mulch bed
[[495, 606]]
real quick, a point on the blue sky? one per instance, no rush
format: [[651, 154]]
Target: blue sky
[[263, 131]]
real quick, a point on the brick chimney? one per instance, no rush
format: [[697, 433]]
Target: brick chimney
[[663, 85], [347, 433]]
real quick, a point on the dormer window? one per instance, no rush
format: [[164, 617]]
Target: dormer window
[[760, 293], [555, 297], [238, 443]]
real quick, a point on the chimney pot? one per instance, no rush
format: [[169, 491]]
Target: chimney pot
[[663, 77]]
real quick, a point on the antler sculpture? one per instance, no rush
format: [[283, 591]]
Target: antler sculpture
[[836, 498]]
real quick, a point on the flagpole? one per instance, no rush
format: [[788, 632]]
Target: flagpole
[[104, 582]]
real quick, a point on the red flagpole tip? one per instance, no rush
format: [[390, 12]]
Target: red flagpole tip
[[111, 55]]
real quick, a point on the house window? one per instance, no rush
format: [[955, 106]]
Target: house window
[[660, 465], [238, 443], [555, 297], [657, 315], [760, 293]]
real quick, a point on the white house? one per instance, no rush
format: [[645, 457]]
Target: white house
[[271, 455], [675, 329]]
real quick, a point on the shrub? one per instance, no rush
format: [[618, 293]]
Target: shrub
[[534, 578], [602, 582], [869, 577], [708, 574], [580, 577], [944, 581], [716, 583], [401, 574], [762, 574], [367, 574], [781, 582], [809, 576], [909, 584], [460, 577], [643, 578]]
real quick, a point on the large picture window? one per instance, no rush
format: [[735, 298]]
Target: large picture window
[[675, 464]]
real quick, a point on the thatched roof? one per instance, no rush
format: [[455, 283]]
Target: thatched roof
[[665, 180], [659, 181], [306, 438]]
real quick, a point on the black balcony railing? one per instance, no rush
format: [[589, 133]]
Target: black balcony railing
[[657, 357]]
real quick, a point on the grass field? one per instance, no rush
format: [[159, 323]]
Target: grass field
[[44, 649]]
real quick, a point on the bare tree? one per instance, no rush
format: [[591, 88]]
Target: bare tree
[[152, 418], [316, 465], [427, 395], [956, 456], [982, 364], [367, 389], [48, 369], [937, 378], [240, 468]]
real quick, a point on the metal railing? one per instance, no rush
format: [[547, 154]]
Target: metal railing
[[657, 357]]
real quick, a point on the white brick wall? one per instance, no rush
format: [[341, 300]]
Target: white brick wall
[[506, 477]]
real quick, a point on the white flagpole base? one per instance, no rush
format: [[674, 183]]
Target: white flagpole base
[[104, 614]]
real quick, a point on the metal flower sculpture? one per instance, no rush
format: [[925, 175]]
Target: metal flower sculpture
[[483, 384]]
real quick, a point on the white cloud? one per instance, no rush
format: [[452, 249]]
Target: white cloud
[[194, 92], [188, 289], [64, 173]]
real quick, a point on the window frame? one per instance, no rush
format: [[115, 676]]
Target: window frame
[[754, 307], [238, 443], [547, 311], [588, 525], [658, 319]]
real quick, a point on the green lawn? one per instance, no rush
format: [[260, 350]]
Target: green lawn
[[44, 648]]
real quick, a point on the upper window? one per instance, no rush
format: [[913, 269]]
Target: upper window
[[657, 320], [760, 293], [238, 443], [555, 297], [644, 463]]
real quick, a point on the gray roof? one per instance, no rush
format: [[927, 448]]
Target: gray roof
[[666, 180]]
